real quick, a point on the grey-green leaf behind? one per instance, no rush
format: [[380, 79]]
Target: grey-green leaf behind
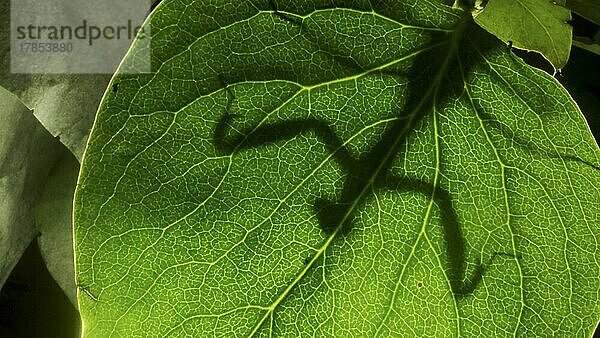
[[27, 152], [336, 169], [53, 219], [65, 104]]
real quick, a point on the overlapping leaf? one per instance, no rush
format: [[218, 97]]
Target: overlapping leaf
[[37, 182], [538, 25], [332, 169], [53, 217], [27, 152], [65, 104], [589, 9]]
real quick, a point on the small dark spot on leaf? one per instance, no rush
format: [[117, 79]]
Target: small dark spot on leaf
[[275, 8], [115, 87], [420, 285]]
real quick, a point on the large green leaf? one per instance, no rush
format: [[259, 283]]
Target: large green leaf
[[334, 169], [538, 25]]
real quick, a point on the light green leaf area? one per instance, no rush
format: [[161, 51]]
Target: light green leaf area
[[336, 169], [27, 152], [537, 25]]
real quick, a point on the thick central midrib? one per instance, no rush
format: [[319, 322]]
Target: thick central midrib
[[432, 90]]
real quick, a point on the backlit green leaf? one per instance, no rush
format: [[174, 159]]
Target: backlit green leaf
[[347, 168]]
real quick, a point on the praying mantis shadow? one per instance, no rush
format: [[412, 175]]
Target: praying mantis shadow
[[372, 171]]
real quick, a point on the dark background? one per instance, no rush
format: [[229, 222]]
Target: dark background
[[32, 304]]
